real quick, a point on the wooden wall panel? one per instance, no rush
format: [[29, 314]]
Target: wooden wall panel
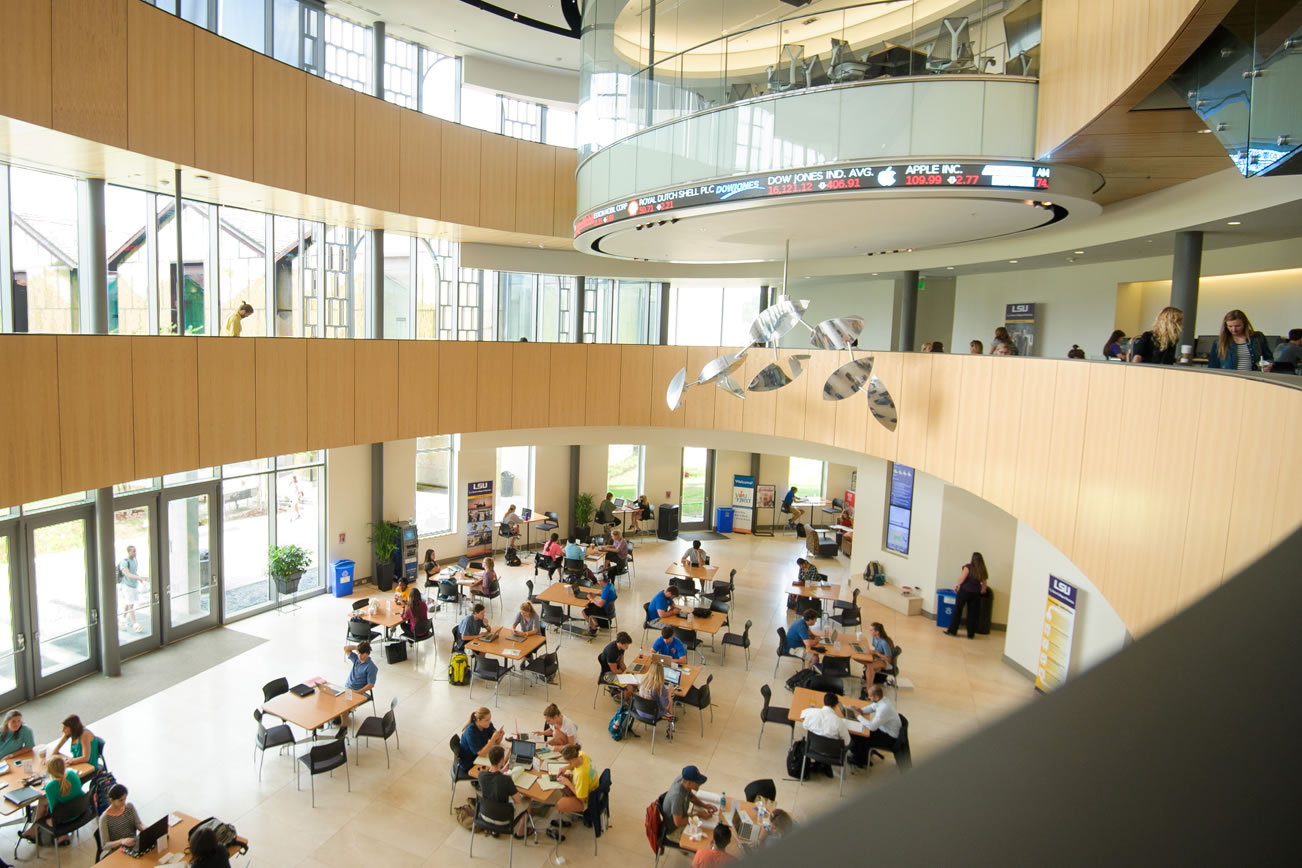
[[535, 188], [565, 198], [852, 420], [88, 65], [279, 125], [493, 411], [459, 190], [635, 372], [789, 412], [1062, 471], [223, 88], [820, 415], [378, 404], [914, 409], [1003, 430], [377, 178], [698, 403], [280, 386], [1105, 404], [160, 84], [30, 462], [457, 387], [666, 361], [728, 407], [497, 177], [95, 398], [331, 131], [330, 393], [25, 61], [568, 403], [420, 164], [165, 400], [1256, 479], [418, 365], [227, 428], [603, 377], [531, 383], [759, 410], [942, 415], [1286, 515], [1035, 423], [974, 419], [889, 368]]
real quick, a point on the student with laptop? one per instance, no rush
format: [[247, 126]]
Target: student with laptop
[[611, 660], [487, 584], [827, 721], [497, 786], [801, 633], [600, 604], [510, 523], [560, 730], [695, 556], [119, 823], [475, 623], [606, 512], [653, 686], [617, 551], [669, 646], [575, 551], [807, 573], [715, 854], [64, 785], [662, 606], [883, 727], [526, 621]]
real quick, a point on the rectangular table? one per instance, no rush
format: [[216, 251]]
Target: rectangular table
[[685, 683], [506, 648], [20, 766], [693, 844], [178, 838], [712, 624], [562, 594], [388, 613], [818, 592], [535, 792], [701, 574], [803, 698], [315, 710]]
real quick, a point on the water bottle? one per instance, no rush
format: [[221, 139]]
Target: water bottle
[[723, 802]]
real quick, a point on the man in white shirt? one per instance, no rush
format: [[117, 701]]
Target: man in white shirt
[[695, 556], [883, 726], [827, 721]]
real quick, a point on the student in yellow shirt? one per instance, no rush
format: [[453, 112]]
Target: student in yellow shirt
[[579, 779], [234, 322]]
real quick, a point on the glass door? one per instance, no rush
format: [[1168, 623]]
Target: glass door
[[189, 600], [134, 561], [697, 488], [13, 642], [63, 610]]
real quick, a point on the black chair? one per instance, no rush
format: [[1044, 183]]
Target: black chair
[[494, 594], [423, 633], [784, 651], [903, 755], [274, 688], [276, 736], [449, 592], [616, 691], [554, 615], [325, 757], [772, 714], [458, 644], [574, 566], [381, 728], [686, 585], [456, 775], [663, 842], [546, 667], [690, 641], [532, 598], [829, 751], [66, 819], [549, 565], [647, 711], [833, 671], [824, 684], [764, 788], [699, 698], [891, 677], [834, 509], [360, 631], [852, 603], [487, 668], [741, 640], [499, 818], [553, 521]]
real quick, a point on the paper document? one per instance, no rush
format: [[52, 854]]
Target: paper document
[[482, 761], [173, 819], [556, 768], [628, 679], [512, 652], [524, 779], [547, 785]]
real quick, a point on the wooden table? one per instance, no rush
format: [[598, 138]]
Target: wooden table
[[505, 648], [563, 595], [803, 698], [713, 624], [844, 647], [701, 574], [178, 838], [535, 792], [685, 683], [20, 766], [315, 710], [816, 591], [388, 613], [687, 842]]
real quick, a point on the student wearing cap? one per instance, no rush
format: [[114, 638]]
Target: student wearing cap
[[681, 801]]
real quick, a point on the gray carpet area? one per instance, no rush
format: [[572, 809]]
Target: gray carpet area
[[703, 535], [95, 696]]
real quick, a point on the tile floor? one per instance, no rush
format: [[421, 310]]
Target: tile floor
[[190, 747]]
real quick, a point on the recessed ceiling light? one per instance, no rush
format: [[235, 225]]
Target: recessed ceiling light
[[1079, 252], [1234, 223], [1203, 132], [1012, 262], [949, 268]]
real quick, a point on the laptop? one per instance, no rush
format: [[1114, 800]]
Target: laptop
[[849, 713], [673, 676], [148, 839], [526, 514], [859, 649], [522, 752], [463, 562], [742, 825], [831, 640], [302, 690]]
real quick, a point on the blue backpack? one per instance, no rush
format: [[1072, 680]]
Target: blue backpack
[[620, 723]]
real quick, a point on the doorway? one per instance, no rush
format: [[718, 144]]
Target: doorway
[[696, 491]]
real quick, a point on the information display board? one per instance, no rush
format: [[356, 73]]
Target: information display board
[[899, 510], [479, 519], [743, 504], [1056, 635]]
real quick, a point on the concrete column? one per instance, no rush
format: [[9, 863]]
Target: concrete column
[[375, 331], [567, 519], [907, 289], [180, 258], [664, 314], [1186, 267], [377, 55], [580, 289]]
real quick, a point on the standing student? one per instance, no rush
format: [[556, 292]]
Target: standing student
[[15, 735], [477, 736], [971, 585], [1158, 345], [559, 730], [235, 321], [716, 853], [64, 786], [120, 822], [497, 786], [129, 583], [789, 506], [1239, 347], [81, 741]]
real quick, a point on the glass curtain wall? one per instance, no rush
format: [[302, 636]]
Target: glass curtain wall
[[435, 483], [46, 295], [127, 232], [712, 315], [624, 470], [538, 307], [514, 480], [621, 311]]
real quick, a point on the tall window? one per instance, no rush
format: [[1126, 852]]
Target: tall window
[[126, 235], [401, 73], [46, 290], [435, 483], [808, 475], [712, 316], [621, 311], [521, 119], [558, 127], [242, 267], [348, 53], [625, 471], [535, 306], [439, 85], [514, 479]]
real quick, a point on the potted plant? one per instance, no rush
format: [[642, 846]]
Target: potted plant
[[584, 506], [384, 540], [285, 565]]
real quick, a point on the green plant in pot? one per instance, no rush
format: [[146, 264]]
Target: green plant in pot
[[384, 540], [285, 565], [584, 507]]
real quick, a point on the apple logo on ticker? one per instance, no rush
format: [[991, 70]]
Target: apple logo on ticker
[[632, 208], [886, 177]]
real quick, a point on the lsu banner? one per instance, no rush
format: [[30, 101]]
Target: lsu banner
[[479, 519], [743, 503], [1019, 319], [1055, 638]]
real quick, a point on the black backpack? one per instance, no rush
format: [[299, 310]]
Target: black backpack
[[802, 678], [800, 530], [512, 557], [795, 758]]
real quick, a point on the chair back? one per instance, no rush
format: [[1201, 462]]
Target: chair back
[[836, 503], [646, 607], [554, 516], [549, 664], [332, 749], [360, 630], [272, 689], [745, 634], [783, 650], [573, 565], [497, 816], [767, 693], [454, 744], [262, 727], [361, 604], [456, 636], [684, 585], [895, 660], [528, 583], [824, 749], [644, 709], [702, 697], [854, 598], [765, 788], [424, 629], [836, 666], [825, 683], [72, 814], [389, 723], [903, 755], [732, 580], [687, 637], [487, 666]]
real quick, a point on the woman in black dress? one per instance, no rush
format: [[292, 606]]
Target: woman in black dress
[[971, 585]]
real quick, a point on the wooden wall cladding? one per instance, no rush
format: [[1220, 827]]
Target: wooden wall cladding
[[25, 75], [535, 188], [160, 84], [88, 65], [331, 125], [420, 145], [1038, 438], [498, 171], [459, 179], [378, 153], [223, 85], [564, 199], [279, 125]]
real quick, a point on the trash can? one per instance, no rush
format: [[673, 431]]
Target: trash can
[[723, 519], [667, 521], [341, 577], [508, 484], [987, 606], [945, 602]]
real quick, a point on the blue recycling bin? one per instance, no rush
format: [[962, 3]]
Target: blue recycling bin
[[945, 603], [341, 577], [723, 519]]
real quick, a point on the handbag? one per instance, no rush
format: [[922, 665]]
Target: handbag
[[395, 652]]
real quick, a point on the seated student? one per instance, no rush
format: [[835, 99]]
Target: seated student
[[808, 573], [827, 720], [15, 735], [486, 585], [846, 518], [715, 854], [662, 606], [779, 825], [552, 554], [600, 604], [83, 745], [617, 551], [695, 556], [511, 523], [526, 621], [643, 513], [611, 660], [801, 634], [414, 616], [497, 786], [477, 737], [606, 511], [575, 551], [653, 686], [363, 674], [474, 623], [64, 786], [681, 802], [431, 570], [430, 564], [789, 507], [401, 593], [580, 779], [560, 730], [206, 851], [119, 823], [669, 646], [883, 723]]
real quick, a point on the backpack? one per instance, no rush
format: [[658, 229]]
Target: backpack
[[654, 824], [100, 784], [459, 669], [395, 652], [512, 557], [795, 758], [465, 813], [225, 832], [801, 679], [620, 723], [800, 530]]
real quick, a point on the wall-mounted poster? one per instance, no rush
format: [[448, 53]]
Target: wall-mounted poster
[[743, 503], [479, 519], [1056, 636], [1019, 319]]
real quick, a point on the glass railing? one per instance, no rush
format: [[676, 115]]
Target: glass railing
[[1244, 83], [644, 64]]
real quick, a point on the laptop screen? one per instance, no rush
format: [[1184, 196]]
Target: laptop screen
[[526, 514], [522, 752], [619, 501], [463, 562], [673, 676], [150, 836]]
